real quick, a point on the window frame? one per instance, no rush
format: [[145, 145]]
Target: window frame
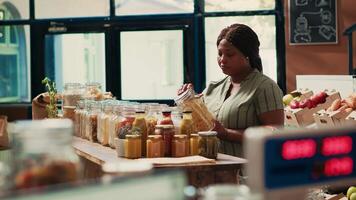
[[193, 41]]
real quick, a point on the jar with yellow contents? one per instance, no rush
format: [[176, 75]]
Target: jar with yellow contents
[[194, 140], [180, 146], [208, 144], [133, 146], [141, 125], [155, 146]]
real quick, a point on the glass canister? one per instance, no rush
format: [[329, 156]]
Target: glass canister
[[43, 154], [72, 93], [93, 91], [153, 114], [176, 118], [186, 125], [83, 119], [167, 135], [166, 118], [140, 124], [208, 144], [155, 146], [77, 117], [194, 141], [114, 125], [180, 146], [133, 146], [203, 120], [92, 121], [103, 123]]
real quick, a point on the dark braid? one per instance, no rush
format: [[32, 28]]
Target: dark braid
[[244, 39]]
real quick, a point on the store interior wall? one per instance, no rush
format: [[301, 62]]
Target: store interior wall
[[330, 59]]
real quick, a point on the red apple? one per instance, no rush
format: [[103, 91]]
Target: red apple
[[294, 104]]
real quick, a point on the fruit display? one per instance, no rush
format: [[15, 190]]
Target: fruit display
[[351, 193], [296, 95], [300, 113], [348, 104]]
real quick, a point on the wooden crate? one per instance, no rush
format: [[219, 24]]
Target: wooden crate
[[301, 117], [325, 118], [306, 93], [350, 119]]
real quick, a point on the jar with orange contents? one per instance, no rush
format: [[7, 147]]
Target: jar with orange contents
[[180, 146], [194, 144], [167, 135], [133, 146], [155, 146]]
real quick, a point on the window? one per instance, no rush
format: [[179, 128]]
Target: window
[[71, 8], [238, 5], [139, 7], [18, 9], [78, 58], [151, 64], [264, 26]]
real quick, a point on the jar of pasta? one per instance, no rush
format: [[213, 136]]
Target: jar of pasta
[[155, 146], [194, 141], [208, 144], [203, 120], [133, 146], [180, 146]]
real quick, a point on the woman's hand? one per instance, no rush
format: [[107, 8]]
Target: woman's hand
[[184, 88], [218, 127]]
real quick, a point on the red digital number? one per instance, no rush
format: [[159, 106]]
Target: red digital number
[[296, 149], [338, 166], [336, 145]]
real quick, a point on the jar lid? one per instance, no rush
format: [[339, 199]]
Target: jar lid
[[154, 137], [180, 136], [168, 126], [194, 135], [133, 136], [208, 133]]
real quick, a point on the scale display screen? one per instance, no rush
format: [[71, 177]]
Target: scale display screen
[[299, 160]]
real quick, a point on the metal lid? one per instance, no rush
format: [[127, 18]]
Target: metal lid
[[194, 135], [208, 133], [181, 136], [168, 126], [154, 137], [133, 136]]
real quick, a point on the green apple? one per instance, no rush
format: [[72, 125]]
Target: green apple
[[350, 191], [287, 99], [353, 196]]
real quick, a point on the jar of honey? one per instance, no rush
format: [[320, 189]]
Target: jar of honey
[[133, 146], [180, 146], [155, 146], [194, 141], [167, 134]]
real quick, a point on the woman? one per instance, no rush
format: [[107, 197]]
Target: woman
[[245, 97]]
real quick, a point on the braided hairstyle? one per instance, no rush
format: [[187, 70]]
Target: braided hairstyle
[[245, 40]]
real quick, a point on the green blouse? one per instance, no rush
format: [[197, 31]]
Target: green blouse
[[257, 94]]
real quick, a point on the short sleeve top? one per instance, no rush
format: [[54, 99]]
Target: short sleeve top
[[257, 94]]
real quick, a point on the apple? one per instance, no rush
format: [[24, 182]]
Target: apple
[[287, 99], [350, 191], [294, 104], [353, 196]]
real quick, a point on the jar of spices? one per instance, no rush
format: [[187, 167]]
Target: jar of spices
[[203, 120], [194, 140], [167, 135], [133, 146], [43, 154], [208, 144], [155, 146], [180, 146]]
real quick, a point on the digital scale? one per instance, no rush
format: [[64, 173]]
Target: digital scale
[[284, 164]]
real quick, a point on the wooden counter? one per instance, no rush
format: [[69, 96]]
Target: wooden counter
[[224, 170]]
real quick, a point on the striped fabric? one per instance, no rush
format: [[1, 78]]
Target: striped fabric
[[257, 94]]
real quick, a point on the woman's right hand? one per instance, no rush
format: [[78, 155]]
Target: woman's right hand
[[184, 88]]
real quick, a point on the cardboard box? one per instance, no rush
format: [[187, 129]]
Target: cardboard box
[[325, 118], [305, 93], [302, 117], [350, 119]]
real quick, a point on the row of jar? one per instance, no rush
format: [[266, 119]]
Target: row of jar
[[103, 121], [169, 145]]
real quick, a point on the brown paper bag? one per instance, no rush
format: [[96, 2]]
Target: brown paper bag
[[39, 106], [4, 139]]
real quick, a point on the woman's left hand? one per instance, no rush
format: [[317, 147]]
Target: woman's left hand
[[218, 127]]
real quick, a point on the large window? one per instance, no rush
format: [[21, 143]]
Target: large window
[[151, 64], [14, 57], [140, 50]]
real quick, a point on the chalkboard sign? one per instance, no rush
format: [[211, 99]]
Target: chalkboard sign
[[312, 21]]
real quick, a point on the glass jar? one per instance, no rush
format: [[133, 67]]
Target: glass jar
[[203, 120], [153, 114], [83, 118], [92, 121], [180, 146], [133, 146], [166, 118], [77, 113], [114, 125], [176, 119], [140, 124], [43, 154], [155, 146], [208, 144], [194, 141], [72, 93], [93, 91], [186, 125], [167, 134], [103, 123]]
